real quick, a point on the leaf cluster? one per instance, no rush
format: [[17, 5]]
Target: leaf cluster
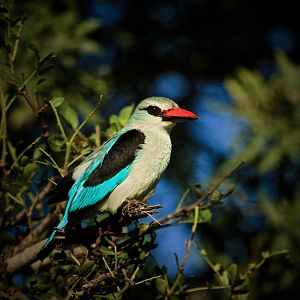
[[272, 108]]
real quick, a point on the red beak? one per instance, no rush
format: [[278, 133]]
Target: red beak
[[179, 114]]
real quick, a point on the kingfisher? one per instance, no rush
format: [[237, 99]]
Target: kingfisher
[[126, 167]]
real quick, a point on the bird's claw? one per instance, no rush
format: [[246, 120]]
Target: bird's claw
[[139, 209]]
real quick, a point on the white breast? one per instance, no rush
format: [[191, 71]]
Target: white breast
[[152, 160]]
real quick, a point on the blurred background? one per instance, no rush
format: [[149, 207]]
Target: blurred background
[[232, 62]]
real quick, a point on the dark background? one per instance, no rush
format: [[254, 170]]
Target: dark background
[[185, 50]]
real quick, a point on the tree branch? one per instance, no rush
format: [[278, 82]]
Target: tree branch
[[95, 282], [186, 210], [29, 239], [110, 226], [26, 257]]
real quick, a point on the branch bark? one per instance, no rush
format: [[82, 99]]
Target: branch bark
[[94, 283], [25, 257], [31, 237]]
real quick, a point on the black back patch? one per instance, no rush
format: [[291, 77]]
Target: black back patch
[[121, 154]]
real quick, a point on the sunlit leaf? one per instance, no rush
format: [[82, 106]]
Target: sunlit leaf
[[232, 272], [125, 114], [161, 285], [30, 168], [204, 216], [57, 101], [113, 119]]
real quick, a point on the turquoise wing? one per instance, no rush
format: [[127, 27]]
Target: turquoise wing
[[88, 196], [107, 168]]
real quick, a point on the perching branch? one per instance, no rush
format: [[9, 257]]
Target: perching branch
[[131, 210], [31, 237], [25, 257]]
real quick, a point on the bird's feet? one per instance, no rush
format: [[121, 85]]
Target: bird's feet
[[135, 209]]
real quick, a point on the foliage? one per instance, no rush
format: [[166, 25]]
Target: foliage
[[271, 147], [272, 108], [37, 93]]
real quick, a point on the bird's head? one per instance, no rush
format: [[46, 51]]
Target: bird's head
[[160, 112]]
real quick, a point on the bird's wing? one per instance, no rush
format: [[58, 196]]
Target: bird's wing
[[59, 193], [106, 169]]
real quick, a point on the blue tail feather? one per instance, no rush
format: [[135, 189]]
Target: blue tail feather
[[50, 243]]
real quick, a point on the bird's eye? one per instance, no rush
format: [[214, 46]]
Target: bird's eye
[[153, 110]]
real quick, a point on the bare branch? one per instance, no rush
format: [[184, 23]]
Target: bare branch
[[186, 210], [26, 257], [30, 238]]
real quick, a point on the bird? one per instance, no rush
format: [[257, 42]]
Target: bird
[[126, 167]]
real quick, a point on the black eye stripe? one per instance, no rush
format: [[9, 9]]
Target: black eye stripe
[[153, 110]]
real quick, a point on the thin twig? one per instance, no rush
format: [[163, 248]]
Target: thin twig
[[58, 122], [70, 142], [61, 171], [26, 149], [185, 210], [186, 256], [95, 282]]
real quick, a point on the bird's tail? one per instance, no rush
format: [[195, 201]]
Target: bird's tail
[[51, 242]]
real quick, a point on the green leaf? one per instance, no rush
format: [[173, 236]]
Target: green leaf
[[45, 69], [106, 251], [217, 267], [143, 255], [32, 46], [56, 143], [37, 153], [204, 216], [111, 131], [102, 216], [43, 287], [265, 254], [125, 114], [123, 256], [56, 101], [272, 160], [161, 285], [87, 27], [48, 59], [24, 161], [215, 194], [46, 63], [203, 252], [70, 115], [232, 272], [113, 119], [224, 278], [30, 168], [86, 268]]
